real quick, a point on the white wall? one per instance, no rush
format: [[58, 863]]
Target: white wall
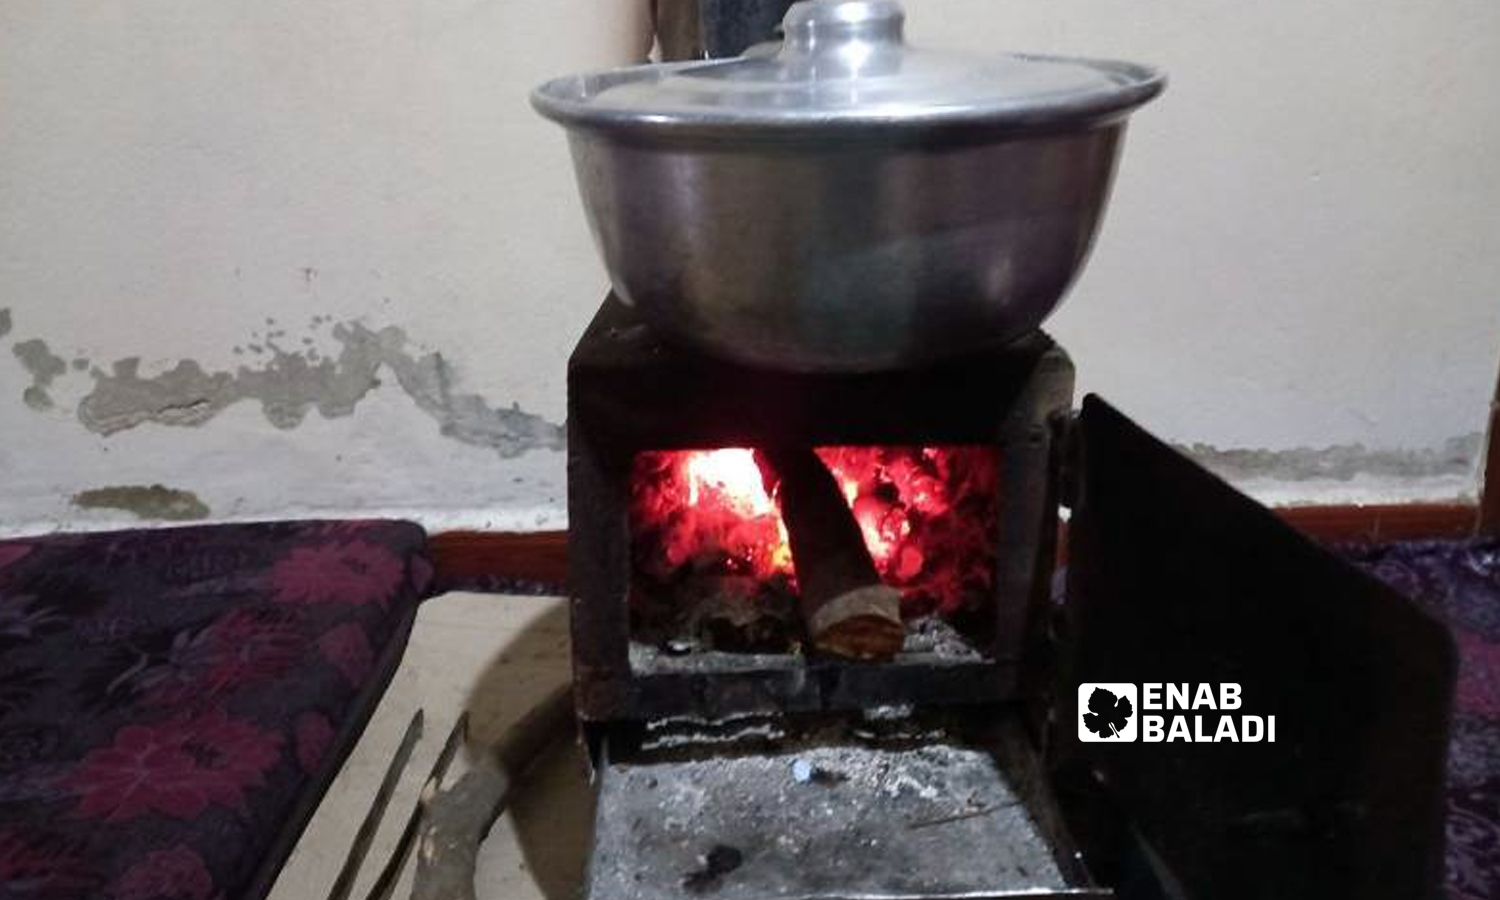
[[1303, 249]]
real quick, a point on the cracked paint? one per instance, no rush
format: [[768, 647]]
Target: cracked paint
[[428, 380], [153, 501], [44, 366], [1343, 462], [289, 385]]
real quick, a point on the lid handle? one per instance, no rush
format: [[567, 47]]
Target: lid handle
[[814, 25]]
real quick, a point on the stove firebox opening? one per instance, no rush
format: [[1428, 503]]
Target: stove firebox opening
[[715, 570]]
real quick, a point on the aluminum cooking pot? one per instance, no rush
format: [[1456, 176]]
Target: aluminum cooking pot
[[841, 201]]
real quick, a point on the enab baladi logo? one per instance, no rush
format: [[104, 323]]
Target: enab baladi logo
[[1157, 712]]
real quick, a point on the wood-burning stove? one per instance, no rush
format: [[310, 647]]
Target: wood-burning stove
[[629, 393], [743, 775]]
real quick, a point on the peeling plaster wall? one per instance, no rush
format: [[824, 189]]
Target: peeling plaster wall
[[289, 384], [288, 259], [296, 259]]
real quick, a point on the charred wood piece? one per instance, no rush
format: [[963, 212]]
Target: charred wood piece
[[847, 610]]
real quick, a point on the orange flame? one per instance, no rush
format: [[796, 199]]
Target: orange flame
[[731, 478], [730, 474]]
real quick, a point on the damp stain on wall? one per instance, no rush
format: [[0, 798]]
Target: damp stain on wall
[[288, 386], [44, 366], [153, 501], [1457, 456]]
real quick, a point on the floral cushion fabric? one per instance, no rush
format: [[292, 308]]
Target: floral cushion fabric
[[174, 702], [1459, 582]]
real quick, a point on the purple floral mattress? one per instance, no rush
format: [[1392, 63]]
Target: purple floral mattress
[[174, 703]]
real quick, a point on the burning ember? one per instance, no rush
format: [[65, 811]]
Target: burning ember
[[704, 525]]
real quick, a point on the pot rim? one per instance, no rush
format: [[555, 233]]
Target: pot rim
[[567, 101]]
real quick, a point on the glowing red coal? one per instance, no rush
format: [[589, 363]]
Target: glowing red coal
[[928, 515]]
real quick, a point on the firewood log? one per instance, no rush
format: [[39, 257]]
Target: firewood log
[[845, 607]]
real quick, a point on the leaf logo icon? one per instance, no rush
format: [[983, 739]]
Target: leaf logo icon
[[1108, 714]]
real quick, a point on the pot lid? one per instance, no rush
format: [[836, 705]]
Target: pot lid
[[844, 68]]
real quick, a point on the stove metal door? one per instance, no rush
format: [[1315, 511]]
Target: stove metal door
[[1176, 577]]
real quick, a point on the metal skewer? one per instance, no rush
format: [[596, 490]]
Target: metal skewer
[[344, 884], [385, 883]]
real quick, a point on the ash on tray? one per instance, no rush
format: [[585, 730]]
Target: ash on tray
[[939, 637], [818, 819], [926, 637], [688, 736]]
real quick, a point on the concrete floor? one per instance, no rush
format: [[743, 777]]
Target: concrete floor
[[495, 656]]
